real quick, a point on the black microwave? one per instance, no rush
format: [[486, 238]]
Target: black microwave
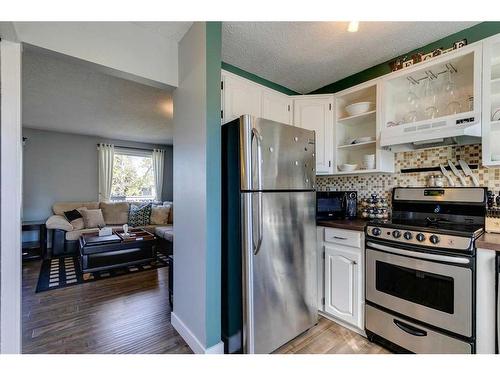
[[336, 205]]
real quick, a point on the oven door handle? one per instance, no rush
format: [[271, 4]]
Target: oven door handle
[[415, 254], [409, 329]]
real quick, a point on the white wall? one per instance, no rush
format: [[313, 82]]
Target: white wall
[[192, 313], [123, 46], [11, 187], [190, 183], [63, 167]]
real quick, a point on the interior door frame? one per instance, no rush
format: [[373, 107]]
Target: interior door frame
[[11, 197]]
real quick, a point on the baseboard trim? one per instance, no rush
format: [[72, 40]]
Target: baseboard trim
[[193, 342]]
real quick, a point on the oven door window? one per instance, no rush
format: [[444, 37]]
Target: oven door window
[[424, 288]]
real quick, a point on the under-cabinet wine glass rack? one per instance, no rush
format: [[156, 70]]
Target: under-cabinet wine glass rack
[[429, 74]]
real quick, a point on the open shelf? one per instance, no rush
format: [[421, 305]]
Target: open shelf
[[358, 119], [357, 145]]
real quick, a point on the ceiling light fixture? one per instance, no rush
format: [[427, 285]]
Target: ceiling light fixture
[[353, 26]]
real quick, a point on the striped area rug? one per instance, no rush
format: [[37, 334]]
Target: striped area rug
[[64, 272]]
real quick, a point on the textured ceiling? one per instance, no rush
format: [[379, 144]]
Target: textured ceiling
[[305, 56], [171, 30], [63, 95]]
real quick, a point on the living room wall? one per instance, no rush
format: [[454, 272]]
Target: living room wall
[[63, 167]]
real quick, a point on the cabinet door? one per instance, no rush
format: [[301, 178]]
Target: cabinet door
[[240, 97], [316, 113], [276, 106], [341, 283]]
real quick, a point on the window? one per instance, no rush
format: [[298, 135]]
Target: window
[[133, 178]]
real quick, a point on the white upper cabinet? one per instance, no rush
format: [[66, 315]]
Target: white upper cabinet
[[239, 97], [491, 102], [316, 112], [433, 100], [243, 97], [276, 106]]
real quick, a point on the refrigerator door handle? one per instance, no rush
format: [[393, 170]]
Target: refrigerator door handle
[[260, 228], [258, 138]]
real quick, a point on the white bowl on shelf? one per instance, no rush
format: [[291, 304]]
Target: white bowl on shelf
[[358, 108], [364, 139], [347, 167]]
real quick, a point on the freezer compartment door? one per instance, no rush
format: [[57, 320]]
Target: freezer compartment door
[[279, 268], [286, 154]]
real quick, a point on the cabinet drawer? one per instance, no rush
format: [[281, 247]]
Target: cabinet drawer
[[411, 336], [343, 237]]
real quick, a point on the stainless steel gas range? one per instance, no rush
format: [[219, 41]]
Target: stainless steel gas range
[[420, 270]]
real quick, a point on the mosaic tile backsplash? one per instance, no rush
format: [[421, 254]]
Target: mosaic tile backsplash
[[383, 184]]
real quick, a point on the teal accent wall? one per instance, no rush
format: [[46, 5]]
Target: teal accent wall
[[257, 79], [213, 198], [472, 34]]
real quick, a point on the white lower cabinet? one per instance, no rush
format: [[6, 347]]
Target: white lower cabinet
[[342, 272]]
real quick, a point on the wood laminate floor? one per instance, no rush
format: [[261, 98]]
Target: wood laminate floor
[[328, 337], [125, 314], [131, 314]]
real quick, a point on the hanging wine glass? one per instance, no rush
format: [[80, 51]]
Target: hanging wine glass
[[431, 108], [412, 102], [453, 107]]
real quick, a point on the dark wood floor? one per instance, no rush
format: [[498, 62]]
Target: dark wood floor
[[126, 314], [131, 314]]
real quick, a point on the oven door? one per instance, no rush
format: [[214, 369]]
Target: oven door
[[434, 289]]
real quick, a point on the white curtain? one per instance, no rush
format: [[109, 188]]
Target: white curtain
[[106, 158], [158, 162]]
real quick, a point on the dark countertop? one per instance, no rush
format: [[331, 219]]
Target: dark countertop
[[489, 241], [355, 224]]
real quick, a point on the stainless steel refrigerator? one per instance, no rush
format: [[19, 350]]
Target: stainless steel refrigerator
[[268, 234]]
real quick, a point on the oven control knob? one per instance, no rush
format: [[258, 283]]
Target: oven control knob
[[420, 237], [396, 233], [376, 231], [434, 239], [408, 236]]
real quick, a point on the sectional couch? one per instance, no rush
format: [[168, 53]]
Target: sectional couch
[[115, 214]]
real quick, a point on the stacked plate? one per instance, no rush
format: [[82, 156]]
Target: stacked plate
[[369, 161]]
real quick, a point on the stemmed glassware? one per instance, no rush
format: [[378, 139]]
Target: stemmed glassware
[[453, 106], [413, 104], [431, 100]]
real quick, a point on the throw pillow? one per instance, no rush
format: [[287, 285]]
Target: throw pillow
[[138, 216], [115, 213], [159, 215], [171, 214], [75, 218], [72, 215], [93, 218], [79, 224]]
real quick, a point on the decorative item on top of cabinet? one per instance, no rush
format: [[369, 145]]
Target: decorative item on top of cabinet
[[316, 112], [404, 62]]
